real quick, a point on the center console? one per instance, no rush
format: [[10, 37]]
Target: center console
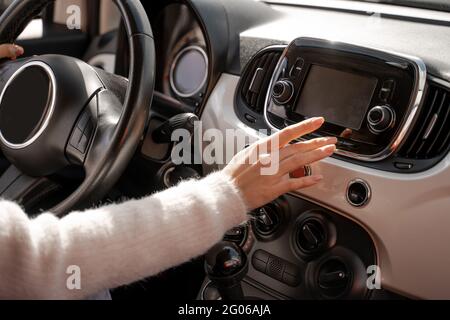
[[369, 98], [294, 249]]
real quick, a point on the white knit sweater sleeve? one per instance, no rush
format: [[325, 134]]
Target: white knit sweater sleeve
[[116, 244]]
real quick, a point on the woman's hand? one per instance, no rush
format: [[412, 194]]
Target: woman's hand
[[10, 51], [246, 168]]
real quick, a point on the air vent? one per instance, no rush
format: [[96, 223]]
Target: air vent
[[312, 236], [267, 220], [334, 279], [431, 136], [256, 78]]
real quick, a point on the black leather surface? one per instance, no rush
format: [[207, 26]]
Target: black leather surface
[[112, 151]]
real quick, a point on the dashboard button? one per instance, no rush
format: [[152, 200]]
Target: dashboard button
[[381, 119], [250, 118], [276, 268], [346, 145], [387, 90], [261, 255], [404, 165], [283, 91], [297, 68], [291, 275], [259, 265], [291, 280]]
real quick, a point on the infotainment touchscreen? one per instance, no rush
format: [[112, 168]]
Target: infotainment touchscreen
[[343, 98]]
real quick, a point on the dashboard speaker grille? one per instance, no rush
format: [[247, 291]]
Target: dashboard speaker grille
[[256, 78], [431, 136]]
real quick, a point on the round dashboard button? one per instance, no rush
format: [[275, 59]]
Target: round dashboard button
[[381, 119], [283, 91]]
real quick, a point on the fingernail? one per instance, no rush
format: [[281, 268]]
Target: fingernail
[[318, 120], [16, 50], [330, 149], [19, 50], [318, 178], [333, 140]]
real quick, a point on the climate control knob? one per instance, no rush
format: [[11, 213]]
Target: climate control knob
[[283, 91], [381, 119]]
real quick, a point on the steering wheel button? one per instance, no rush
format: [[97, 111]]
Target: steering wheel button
[[89, 129], [83, 122], [82, 146], [76, 137]]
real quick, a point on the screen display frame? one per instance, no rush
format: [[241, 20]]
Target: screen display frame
[[408, 74]]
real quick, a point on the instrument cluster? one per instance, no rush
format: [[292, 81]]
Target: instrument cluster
[[181, 44]]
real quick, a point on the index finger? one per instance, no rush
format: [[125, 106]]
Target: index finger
[[10, 51], [285, 136]]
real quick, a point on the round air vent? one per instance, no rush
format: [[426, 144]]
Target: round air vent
[[314, 234], [338, 274], [334, 279], [358, 193], [268, 221]]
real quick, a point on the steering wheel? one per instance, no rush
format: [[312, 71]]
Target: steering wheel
[[57, 111]]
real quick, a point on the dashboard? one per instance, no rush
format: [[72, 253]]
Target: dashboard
[[386, 189], [381, 75]]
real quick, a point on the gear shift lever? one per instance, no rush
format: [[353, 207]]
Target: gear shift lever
[[226, 265], [186, 121]]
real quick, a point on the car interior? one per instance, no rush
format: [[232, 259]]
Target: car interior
[[378, 71]]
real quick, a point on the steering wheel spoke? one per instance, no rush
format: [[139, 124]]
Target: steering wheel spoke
[[101, 138]]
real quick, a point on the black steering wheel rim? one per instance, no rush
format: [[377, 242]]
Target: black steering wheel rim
[[127, 134]]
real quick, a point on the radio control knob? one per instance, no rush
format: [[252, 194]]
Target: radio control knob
[[283, 91], [381, 119]]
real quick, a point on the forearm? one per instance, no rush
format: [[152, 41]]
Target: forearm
[[114, 245]]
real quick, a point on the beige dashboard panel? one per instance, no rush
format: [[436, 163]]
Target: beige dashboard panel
[[408, 216]]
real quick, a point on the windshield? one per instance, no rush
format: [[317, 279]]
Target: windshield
[[441, 5]]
